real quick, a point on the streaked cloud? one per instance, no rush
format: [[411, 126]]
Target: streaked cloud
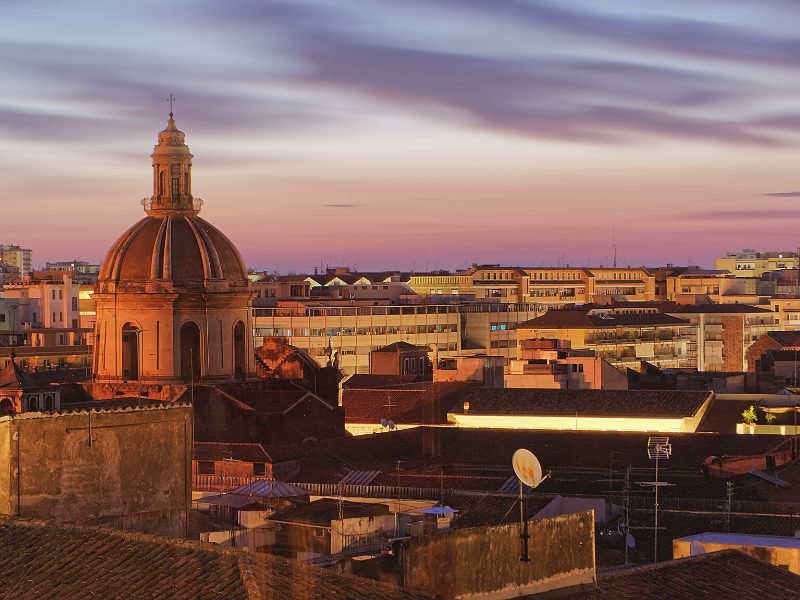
[[783, 194]]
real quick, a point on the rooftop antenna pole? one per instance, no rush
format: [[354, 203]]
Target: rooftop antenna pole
[[397, 506], [658, 447], [627, 498], [728, 506], [614, 246]]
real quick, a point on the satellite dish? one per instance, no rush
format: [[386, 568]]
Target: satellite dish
[[384, 423], [527, 467], [629, 541], [390, 425]]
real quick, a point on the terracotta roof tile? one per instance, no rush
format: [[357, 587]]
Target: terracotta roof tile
[[728, 574], [416, 403], [51, 561], [611, 403]]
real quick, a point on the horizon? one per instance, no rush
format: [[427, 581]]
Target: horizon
[[336, 133]]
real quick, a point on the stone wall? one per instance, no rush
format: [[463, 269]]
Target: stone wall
[[483, 562], [126, 468]]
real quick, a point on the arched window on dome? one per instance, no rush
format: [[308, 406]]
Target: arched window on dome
[[130, 352], [190, 352], [239, 355], [6, 407]]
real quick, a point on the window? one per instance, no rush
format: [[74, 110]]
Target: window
[[53, 294], [2, 317], [60, 294], [61, 316], [205, 467], [48, 402], [74, 303], [54, 317], [259, 469], [33, 403], [174, 186]]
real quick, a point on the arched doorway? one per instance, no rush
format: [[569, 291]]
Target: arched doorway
[[239, 355], [6, 407], [130, 352], [190, 352]]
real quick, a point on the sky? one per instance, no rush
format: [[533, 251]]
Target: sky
[[413, 134]]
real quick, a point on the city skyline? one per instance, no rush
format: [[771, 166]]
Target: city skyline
[[432, 136]]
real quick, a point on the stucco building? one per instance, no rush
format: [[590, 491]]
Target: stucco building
[[173, 296]]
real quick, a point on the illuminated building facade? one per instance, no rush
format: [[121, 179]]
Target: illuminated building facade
[[173, 299]]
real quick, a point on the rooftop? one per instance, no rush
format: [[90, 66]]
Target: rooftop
[[600, 403], [728, 574], [321, 512], [574, 318], [416, 403], [403, 347], [742, 539], [719, 309], [42, 560]]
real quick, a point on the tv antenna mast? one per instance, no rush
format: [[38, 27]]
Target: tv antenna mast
[[529, 472], [658, 448]]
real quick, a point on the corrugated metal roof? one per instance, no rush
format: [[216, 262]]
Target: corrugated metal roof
[[270, 488], [359, 477], [511, 486]]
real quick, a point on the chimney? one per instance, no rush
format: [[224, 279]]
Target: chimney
[[466, 407]]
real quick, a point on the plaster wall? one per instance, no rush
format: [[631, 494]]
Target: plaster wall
[[126, 468], [483, 562]]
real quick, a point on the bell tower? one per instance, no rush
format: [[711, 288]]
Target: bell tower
[[172, 174]]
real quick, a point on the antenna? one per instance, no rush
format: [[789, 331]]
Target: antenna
[[529, 472], [658, 448], [614, 246]]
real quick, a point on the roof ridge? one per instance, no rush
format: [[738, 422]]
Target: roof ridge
[[245, 562], [119, 533], [674, 563]]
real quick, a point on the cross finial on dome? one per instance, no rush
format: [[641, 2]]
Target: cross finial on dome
[[171, 99]]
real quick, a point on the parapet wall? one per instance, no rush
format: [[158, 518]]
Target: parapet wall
[[128, 468], [483, 562]]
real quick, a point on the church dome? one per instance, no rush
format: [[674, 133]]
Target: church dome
[[185, 250], [172, 247]]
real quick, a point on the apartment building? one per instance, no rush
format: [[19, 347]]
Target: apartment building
[[17, 257], [46, 322], [624, 336], [749, 263], [353, 331], [553, 364], [558, 287], [725, 332]]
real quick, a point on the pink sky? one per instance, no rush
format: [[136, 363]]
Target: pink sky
[[433, 137]]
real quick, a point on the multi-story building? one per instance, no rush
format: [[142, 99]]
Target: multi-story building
[[623, 336], [725, 332], [353, 331], [558, 287], [48, 322], [688, 285], [554, 364], [749, 263], [787, 312], [17, 257]]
